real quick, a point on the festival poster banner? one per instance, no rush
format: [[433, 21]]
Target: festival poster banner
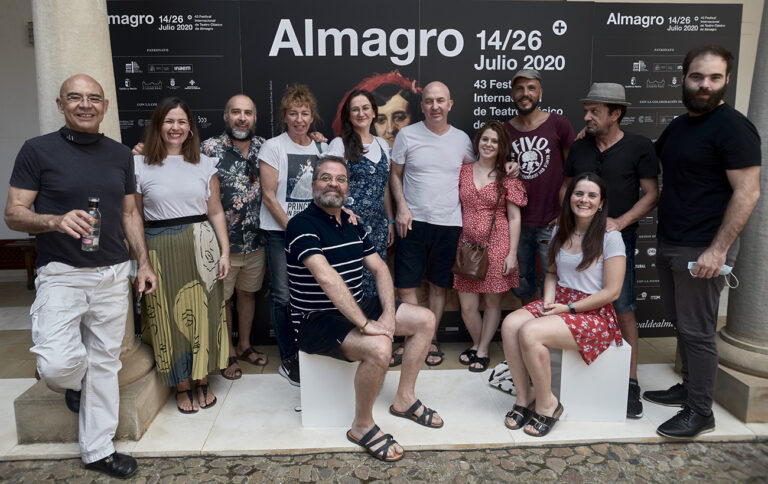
[[189, 49], [206, 51]]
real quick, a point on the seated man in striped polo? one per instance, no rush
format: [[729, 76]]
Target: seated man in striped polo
[[326, 253]]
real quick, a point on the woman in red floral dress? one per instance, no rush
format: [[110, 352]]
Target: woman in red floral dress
[[481, 194]]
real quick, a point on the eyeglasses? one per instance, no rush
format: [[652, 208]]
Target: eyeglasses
[[76, 98], [327, 178]]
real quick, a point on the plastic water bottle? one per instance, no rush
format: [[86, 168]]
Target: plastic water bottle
[[90, 243]]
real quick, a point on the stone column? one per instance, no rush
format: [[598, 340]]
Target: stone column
[[742, 380], [72, 37]]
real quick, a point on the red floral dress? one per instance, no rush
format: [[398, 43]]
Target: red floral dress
[[593, 330], [476, 213]]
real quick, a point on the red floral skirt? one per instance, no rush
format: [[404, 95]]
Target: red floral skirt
[[593, 330]]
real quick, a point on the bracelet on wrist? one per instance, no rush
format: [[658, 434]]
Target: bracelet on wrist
[[223, 257], [570, 306], [390, 221], [362, 328]]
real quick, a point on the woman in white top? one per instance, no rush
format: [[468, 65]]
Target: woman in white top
[[285, 161], [368, 158], [584, 275], [178, 192]]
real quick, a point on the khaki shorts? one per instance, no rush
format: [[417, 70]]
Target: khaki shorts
[[247, 272]]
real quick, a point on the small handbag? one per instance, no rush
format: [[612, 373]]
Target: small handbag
[[472, 259]]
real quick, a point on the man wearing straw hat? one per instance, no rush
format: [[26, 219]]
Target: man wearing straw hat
[[627, 162]]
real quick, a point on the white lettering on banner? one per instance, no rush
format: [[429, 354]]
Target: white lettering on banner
[[132, 20], [401, 42], [643, 21]]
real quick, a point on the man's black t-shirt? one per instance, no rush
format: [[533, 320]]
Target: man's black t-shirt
[[64, 174], [621, 166], [695, 153]]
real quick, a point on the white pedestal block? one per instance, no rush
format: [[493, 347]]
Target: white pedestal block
[[327, 391], [596, 392]]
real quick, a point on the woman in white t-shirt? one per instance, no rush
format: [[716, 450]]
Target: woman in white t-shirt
[[178, 192], [584, 276], [285, 165]]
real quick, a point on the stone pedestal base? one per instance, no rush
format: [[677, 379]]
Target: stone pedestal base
[[745, 396], [42, 416]]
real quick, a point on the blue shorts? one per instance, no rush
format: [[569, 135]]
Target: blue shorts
[[427, 246], [626, 301]]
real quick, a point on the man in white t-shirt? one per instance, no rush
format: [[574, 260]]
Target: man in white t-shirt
[[426, 162]]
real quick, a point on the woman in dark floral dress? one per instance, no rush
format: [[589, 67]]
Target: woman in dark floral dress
[[368, 157]]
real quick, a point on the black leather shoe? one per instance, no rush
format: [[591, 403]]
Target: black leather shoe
[[116, 465], [674, 396], [687, 424], [72, 399]]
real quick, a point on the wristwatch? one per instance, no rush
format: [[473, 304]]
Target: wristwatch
[[570, 306]]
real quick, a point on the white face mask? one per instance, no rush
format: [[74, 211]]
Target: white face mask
[[726, 271]]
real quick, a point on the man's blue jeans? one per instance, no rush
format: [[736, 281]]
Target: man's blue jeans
[[533, 239], [279, 295]]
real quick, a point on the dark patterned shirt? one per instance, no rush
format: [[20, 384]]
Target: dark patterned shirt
[[240, 190]]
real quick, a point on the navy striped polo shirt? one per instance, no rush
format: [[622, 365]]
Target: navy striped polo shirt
[[314, 231]]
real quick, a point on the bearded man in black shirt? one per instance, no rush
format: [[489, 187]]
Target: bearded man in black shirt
[[711, 167]]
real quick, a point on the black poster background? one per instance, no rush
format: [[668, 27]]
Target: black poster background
[[206, 51]]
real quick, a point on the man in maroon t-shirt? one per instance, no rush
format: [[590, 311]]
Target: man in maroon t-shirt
[[540, 143]]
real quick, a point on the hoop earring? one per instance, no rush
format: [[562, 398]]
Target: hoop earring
[[599, 209]]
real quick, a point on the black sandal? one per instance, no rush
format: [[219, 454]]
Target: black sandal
[[434, 354], [543, 424], [470, 354], [483, 361], [520, 415], [397, 358], [191, 401], [424, 419], [238, 372], [366, 443], [204, 388]]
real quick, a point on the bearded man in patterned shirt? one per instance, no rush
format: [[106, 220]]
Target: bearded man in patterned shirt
[[237, 150]]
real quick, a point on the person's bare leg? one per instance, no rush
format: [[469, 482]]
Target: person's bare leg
[[470, 313], [536, 337], [510, 330], [373, 353], [230, 371], [490, 322], [628, 326], [246, 307], [437, 297], [418, 324], [406, 295]]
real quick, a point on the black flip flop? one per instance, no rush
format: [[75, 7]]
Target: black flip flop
[[470, 354], [204, 388], [543, 424], [191, 401], [424, 419]]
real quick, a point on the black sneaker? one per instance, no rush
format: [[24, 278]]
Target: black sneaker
[[675, 396], [289, 369], [634, 405], [116, 465], [687, 424], [72, 399]]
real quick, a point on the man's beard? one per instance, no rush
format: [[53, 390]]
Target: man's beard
[[534, 105], [330, 198], [701, 106], [240, 134]]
